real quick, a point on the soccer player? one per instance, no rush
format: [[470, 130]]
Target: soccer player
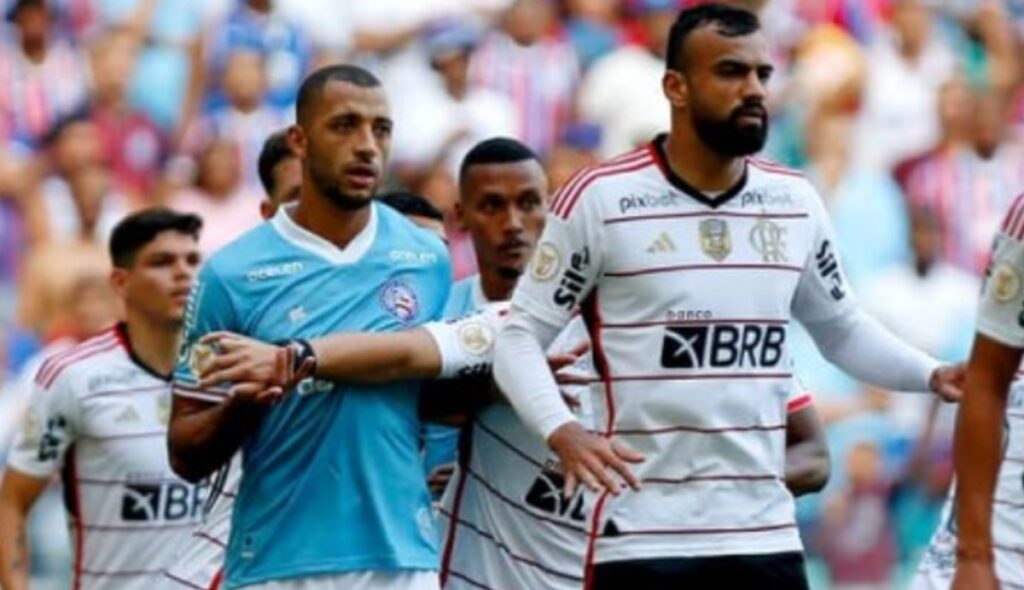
[[507, 524], [280, 173], [688, 259], [332, 493], [987, 444], [99, 417]]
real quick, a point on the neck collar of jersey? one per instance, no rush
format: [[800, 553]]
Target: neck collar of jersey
[[121, 332], [307, 240], [658, 149]]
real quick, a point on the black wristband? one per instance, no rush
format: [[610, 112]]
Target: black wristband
[[303, 351]]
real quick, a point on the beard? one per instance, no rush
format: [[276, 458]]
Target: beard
[[509, 273], [330, 189], [730, 137]]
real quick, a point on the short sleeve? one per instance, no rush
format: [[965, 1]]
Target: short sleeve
[[1001, 306], [823, 292], [799, 397], [568, 260], [209, 310], [47, 430]]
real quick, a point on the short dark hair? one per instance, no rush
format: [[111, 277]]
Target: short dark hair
[[79, 116], [496, 150], [140, 228], [275, 150], [314, 84], [730, 21], [408, 203]]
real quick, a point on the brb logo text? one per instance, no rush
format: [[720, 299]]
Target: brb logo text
[[161, 501], [723, 346]]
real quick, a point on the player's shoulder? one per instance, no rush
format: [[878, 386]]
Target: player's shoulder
[[604, 182], [251, 245], [76, 365], [774, 185], [401, 231]]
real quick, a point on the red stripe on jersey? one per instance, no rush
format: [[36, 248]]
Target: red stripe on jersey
[[183, 582], [1015, 414], [799, 403], [217, 579], [81, 356], [697, 322], [76, 500], [712, 478], [1008, 503], [569, 199], [129, 529], [449, 541], [110, 393], [124, 436], [681, 267], [689, 377], [457, 522], [1017, 227], [514, 504], [96, 574], [116, 482], [592, 320], [508, 445], [574, 180], [470, 581], [652, 216], [210, 539], [1012, 213], [775, 167], [1014, 459], [718, 531], [588, 561], [57, 360], [698, 430]]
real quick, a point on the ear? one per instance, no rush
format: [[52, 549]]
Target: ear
[[266, 209], [460, 215], [119, 281], [297, 141], [673, 84]]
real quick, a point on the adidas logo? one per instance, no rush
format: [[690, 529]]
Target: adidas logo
[[129, 414], [663, 244]]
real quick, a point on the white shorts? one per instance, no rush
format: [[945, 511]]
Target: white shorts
[[369, 580]]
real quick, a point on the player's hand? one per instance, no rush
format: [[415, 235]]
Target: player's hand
[[557, 362], [948, 381], [249, 363], [590, 459], [974, 574]]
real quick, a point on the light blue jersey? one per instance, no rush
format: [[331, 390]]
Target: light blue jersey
[[333, 480], [440, 442]]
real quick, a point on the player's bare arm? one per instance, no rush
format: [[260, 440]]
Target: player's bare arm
[[807, 459], [203, 436], [977, 454], [371, 357], [18, 493]]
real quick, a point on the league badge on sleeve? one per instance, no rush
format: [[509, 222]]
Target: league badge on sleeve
[[400, 301], [545, 262], [1005, 283]]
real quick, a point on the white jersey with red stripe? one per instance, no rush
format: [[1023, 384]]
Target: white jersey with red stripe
[[199, 563], [1001, 318], [99, 416], [938, 564], [687, 300]]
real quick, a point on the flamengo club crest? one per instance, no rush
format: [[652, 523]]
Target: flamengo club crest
[[768, 240], [400, 300], [714, 238]]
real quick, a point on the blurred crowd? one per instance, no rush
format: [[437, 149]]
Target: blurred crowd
[[906, 114]]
